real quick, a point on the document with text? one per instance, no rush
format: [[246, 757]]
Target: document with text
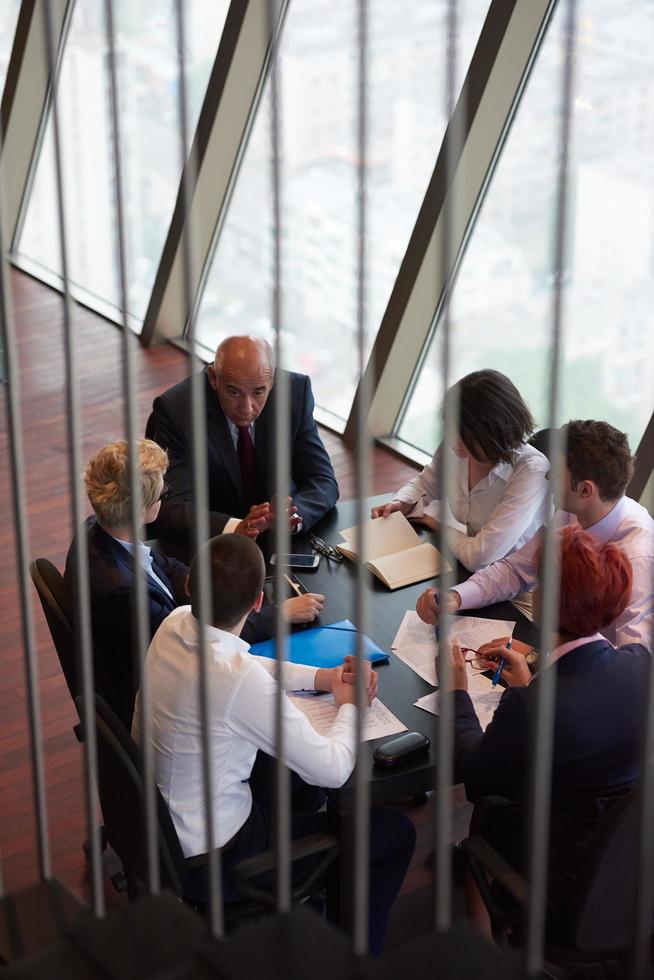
[[484, 702], [416, 645], [321, 712]]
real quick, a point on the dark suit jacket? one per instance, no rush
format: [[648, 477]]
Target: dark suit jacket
[[111, 576], [598, 730], [312, 486]]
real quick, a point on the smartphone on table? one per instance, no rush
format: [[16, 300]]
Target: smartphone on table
[[304, 562]]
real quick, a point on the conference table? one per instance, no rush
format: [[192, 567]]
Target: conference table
[[399, 685]]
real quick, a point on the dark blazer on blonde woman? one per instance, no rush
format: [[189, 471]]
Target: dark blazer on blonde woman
[[111, 576]]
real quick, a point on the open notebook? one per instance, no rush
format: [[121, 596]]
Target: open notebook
[[394, 552]]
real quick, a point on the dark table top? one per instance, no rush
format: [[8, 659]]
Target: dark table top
[[399, 686]]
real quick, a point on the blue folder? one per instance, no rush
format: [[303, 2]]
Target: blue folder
[[324, 646]]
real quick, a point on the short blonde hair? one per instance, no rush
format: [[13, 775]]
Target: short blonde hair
[[106, 479]]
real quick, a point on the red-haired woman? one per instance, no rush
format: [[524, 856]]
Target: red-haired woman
[[598, 721]]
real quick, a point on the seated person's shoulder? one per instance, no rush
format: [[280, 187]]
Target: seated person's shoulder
[[174, 396], [530, 458], [636, 652]]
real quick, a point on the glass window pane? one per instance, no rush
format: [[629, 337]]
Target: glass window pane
[[502, 302], [8, 17], [319, 105], [147, 78]]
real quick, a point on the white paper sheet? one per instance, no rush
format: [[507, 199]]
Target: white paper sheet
[[321, 712], [484, 703], [415, 643]]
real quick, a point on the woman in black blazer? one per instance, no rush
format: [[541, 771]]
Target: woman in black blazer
[[598, 721]]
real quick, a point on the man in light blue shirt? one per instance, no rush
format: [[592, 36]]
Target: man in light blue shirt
[[598, 468]]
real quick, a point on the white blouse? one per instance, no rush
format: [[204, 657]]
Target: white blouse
[[501, 513]]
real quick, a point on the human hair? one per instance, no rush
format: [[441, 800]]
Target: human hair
[[599, 452], [251, 338], [595, 582], [106, 479], [493, 418], [237, 572]]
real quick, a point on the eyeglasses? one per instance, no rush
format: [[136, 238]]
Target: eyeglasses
[[325, 549], [473, 658], [165, 493]]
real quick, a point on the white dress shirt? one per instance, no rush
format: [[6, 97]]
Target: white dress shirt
[[628, 525], [500, 514], [146, 561], [242, 693]]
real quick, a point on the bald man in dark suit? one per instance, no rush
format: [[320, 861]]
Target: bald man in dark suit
[[240, 426]]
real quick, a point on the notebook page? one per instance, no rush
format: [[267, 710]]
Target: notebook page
[[384, 536], [412, 565]]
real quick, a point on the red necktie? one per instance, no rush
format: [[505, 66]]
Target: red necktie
[[245, 452]]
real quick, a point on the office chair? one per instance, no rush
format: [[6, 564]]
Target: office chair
[[121, 789], [58, 611], [541, 441], [594, 933]]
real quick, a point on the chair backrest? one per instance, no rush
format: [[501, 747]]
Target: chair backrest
[[541, 441], [602, 910], [58, 611], [149, 427], [121, 788]]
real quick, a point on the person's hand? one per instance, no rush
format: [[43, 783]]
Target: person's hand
[[516, 671], [459, 669], [288, 509], [428, 521], [383, 510], [432, 603], [516, 645], [370, 677], [343, 691], [255, 521], [303, 608]]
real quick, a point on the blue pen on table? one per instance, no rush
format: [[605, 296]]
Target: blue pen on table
[[500, 667]]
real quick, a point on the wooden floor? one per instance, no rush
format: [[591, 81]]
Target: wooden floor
[[98, 347]]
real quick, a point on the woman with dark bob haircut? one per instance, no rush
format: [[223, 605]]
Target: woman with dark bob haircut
[[599, 718], [499, 490]]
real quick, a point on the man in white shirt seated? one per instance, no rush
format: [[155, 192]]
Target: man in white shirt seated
[[242, 695], [598, 468]]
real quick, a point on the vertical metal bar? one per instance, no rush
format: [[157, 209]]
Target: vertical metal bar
[[282, 460], [21, 532], [141, 620], [82, 593], [644, 885], [200, 478], [362, 771], [444, 724], [542, 733]]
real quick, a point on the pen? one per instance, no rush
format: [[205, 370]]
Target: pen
[[500, 666], [293, 585]]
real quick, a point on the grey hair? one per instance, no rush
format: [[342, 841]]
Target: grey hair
[[220, 350]]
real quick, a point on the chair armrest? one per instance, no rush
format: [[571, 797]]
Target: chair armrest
[[478, 851], [314, 845]]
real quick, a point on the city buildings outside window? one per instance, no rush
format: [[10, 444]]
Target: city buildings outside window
[[318, 108], [146, 55], [8, 17], [501, 313]]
